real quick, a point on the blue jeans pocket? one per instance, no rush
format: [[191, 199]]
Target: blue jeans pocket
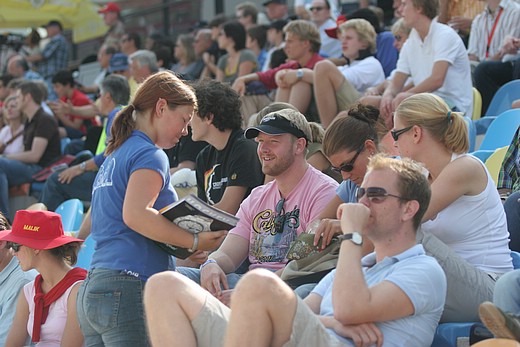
[[104, 310]]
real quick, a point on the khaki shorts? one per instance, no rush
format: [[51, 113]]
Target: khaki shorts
[[346, 95], [307, 330], [211, 323]]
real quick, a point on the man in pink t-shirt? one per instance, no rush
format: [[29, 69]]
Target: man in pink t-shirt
[[275, 213]]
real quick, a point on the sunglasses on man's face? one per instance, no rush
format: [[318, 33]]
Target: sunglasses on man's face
[[397, 133], [347, 167], [317, 9], [14, 246], [375, 194]]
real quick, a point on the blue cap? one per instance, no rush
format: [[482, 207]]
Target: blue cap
[[118, 62]]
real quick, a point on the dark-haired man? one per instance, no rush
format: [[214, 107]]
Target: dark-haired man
[[41, 141], [228, 168]]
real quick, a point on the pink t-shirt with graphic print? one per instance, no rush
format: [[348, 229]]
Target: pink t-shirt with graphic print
[[269, 234]]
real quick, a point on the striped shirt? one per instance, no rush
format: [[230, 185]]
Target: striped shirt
[[55, 57], [481, 28]]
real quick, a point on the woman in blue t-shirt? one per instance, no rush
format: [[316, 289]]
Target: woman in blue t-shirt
[[131, 186]]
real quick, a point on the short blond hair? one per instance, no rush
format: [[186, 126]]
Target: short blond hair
[[305, 30], [364, 29]]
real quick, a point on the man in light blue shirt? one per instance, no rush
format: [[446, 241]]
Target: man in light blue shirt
[[392, 297]]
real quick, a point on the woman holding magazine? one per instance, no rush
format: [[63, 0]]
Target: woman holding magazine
[[131, 186]]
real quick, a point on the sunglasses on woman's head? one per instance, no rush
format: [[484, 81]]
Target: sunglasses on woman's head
[[14, 246], [397, 133], [375, 194], [347, 167]]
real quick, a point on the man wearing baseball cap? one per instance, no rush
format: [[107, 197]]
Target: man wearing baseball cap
[[112, 17], [274, 214], [276, 9], [54, 56]]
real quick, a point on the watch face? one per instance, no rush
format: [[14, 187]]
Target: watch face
[[357, 238]]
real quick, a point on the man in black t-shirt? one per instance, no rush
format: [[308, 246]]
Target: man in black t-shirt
[[228, 168], [41, 142]]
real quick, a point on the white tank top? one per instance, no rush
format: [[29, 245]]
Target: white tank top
[[475, 227]]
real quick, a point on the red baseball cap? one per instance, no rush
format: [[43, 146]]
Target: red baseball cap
[[333, 32], [110, 7], [37, 230]]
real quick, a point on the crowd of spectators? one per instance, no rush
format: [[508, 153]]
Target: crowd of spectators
[[289, 123]]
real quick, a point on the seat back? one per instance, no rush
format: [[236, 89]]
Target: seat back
[[71, 212], [501, 130], [64, 142], [516, 259], [503, 98], [494, 162], [472, 133], [477, 104], [85, 253]]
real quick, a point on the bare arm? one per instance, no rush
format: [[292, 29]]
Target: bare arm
[[370, 304], [435, 81], [246, 68], [240, 83], [187, 164], [464, 176], [34, 155], [139, 215], [231, 199], [72, 335], [18, 332]]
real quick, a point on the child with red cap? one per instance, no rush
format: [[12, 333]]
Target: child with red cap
[[46, 308]]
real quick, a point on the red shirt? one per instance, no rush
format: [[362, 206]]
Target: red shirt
[[80, 99], [267, 77]]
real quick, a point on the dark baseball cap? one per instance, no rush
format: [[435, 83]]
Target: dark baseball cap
[[278, 24], [286, 121], [118, 62]]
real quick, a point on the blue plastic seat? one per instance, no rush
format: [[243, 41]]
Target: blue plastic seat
[[71, 212], [503, 98], [85, 253], [64, 142], [500, 133], [516, 259]]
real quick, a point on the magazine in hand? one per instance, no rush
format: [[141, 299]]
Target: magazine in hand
[[194, 215]]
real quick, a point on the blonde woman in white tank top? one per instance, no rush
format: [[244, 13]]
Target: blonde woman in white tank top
[[465, 211]]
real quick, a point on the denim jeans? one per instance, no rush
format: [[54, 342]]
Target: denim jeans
[[507, 292], [13, 173], [512, 208], [110, 309], [194, 275], [54, 192]]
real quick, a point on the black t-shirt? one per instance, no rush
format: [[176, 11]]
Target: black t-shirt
[[45, 126], [236, 165], [186, 149]]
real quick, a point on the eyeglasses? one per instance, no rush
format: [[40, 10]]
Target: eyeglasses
[[14, 246], [317, 9], [375, 194], [397, 133], [279, 219], [347, 167], [398, 37]]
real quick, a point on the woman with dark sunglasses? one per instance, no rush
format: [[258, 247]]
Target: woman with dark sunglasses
[[352, 138], [465, 210]]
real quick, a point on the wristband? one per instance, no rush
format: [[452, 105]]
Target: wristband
[[195, 243], [209, 261]]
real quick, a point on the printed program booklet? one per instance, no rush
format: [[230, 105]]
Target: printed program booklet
[[194, 215]]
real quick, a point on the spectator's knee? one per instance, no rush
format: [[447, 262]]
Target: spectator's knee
[[257, 283], [164, 283]]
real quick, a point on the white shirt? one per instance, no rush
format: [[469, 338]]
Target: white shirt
[[329, 47], [442, 43], [363, 74]]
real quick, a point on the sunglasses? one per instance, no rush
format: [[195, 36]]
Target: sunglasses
[[397, 133], [14, 246], [317, 8], [347, 167], [375, 194], [398, 37], [279, 219]]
